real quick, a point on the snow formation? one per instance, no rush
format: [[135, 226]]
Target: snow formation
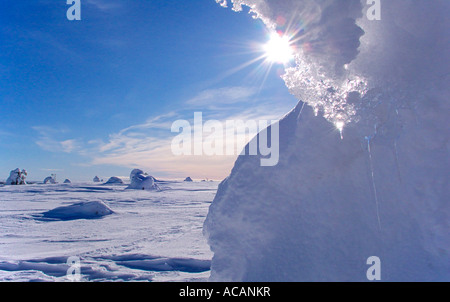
[[142, 181], [49, 180], [82, 210], [379, 190], [96, 179], [17, 177], [114, 181], [188, 179], [67, 181]]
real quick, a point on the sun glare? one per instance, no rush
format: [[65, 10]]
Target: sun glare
[[278, 49]]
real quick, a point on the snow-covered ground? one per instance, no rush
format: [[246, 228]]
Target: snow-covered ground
[[150, 236]]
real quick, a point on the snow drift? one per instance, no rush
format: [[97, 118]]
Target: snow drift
[[380, 190], [162, 264], [114, 181], [17, 177], [142, 181], [82, 210]]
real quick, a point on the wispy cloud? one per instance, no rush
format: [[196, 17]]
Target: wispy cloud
[[69, 145], [223, 96], [47, 141], [147, 145], [104, 5], [51, 170], [5, 133]]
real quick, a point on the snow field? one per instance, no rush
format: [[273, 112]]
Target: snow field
[[118, 234]]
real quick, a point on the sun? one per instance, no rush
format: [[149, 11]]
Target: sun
[[278, 49]]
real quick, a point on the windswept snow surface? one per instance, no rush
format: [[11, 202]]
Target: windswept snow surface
[[118, 234], [379, 188]]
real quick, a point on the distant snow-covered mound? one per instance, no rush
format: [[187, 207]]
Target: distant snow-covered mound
[[49, 180], [188, 179], [82, 210], [142, 181], [67, 181], [96, 179], [114, 181], [17, 177]]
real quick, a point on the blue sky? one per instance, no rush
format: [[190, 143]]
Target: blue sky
[[98, 96]]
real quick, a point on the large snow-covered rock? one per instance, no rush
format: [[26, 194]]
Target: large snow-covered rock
[[382, 188], [17, 177], [142, 181], [114, 181]]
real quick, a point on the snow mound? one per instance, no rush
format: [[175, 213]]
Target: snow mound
[[56, 268], [363, 167], [49, 180], [188, 179], [162, 264], [67, 181], [114, 181], [142, 181], [17, 177], [82, 210], [96, 179], [46, 268]]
